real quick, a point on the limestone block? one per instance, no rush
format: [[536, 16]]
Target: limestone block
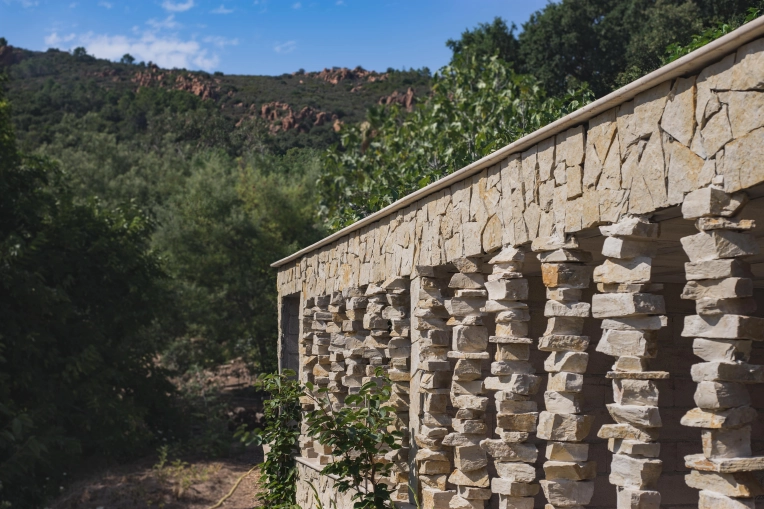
[[513, 488], [566, 275], [565, 382], [741, 484], [719, 419], [507, 502], [713, 500], [739, 166], [472, 493], [627, 363], [631, 271], [607, 305], [571, 470], [470, 338], [512, 329], [470, 388], [467, 369], [512, 352], [566, 309], [716, 371], [434, 380], [468, 402], [687, 171], [467, 281], [515, 407], [727, 443], [572, 362], [563, 293], [465, 307], [566, 493], [634, 472], [564, 255], [638, 499], [517, 422], [430, 467], [627, 248], [458, 439], [459, 502], [565, 325], [635, 392], [564, 427], [436, 499], [727, 288], [553, 243], [507, 311], [517, 383], [724, 465], [638, 415], [723, 350], [469, 458], [507, 255], [712, 307], [511, 367], [724, 327], [635, 323], [477, 478], [562, 342], [508, 451], [627, 432], [516, 471], [678, 116], [567, 451], [722, 223], [717, 131], [721, 395], [635, 226], [628, 342], [717, 269], [512, 289], [634, 447], [718, 244]]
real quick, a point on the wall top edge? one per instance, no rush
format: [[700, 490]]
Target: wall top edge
[[692, 62]]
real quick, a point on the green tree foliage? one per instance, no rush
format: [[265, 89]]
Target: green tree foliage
[[281, 433], [80, 292], [358, 433], [605, 43], [477, 105]]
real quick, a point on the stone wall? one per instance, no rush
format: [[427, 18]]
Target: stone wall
[[636, 158], [573, 326]]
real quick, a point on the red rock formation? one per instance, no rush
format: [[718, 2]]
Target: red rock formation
[[406, 100], [336, 75]]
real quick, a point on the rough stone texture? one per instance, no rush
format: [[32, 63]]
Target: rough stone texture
[[696, 141]]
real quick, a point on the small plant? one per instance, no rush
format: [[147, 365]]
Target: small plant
[[359, 437], [281, 433]]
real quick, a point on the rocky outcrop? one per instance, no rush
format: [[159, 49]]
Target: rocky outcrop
[[336, 75], [283, 118], [405, 100], [153, 76]]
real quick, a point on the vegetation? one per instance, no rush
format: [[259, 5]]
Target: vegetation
[[140, 209], [358, 433], [281, 432], [477, 105]]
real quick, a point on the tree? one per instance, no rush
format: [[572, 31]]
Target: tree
[[128, 59], [487, 40], [80, 53], [477, 105]]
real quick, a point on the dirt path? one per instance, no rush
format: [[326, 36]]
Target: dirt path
[[188, 485]]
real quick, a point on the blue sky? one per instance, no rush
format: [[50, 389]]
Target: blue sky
[[256, 36]]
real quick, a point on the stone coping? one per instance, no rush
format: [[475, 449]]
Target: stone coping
[[680, 67]]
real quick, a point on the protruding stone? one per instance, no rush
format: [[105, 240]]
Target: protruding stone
[[719, 419], [477, 478], [724, 327], [436, 499], [711, 201], [565, 382], [507, 451], [742, 484], [630, 343], [572, 362], [562, 402], [513, 488], [565, 493], [645, 416], [726, 443], [718, 244], [724, 465], [554, 308], [721, 395], [632, 227], [507, 289], [632, 271], [626, 248], [635, 472], [717, 269], [470, 338], [713, 500], [638, 499], [634, 447], [563, 342], [607, 305], [727, 372], [564, 427], [568, 275], [723, 350], [567, 451], [571, 470], [516, 471]]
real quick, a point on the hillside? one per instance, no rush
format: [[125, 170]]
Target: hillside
[[303, 108]]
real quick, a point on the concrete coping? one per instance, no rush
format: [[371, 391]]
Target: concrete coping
[[688, 64]]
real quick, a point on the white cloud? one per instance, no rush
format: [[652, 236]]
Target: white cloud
[[167, 23], [73, 5], [296, 5], [55, 40], [171, 6], [285, 47], [221, 10], [340, 2], [220, 42], [164, 50], [107, 5]]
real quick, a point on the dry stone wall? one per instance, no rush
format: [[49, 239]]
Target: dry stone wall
[[436, 294]]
